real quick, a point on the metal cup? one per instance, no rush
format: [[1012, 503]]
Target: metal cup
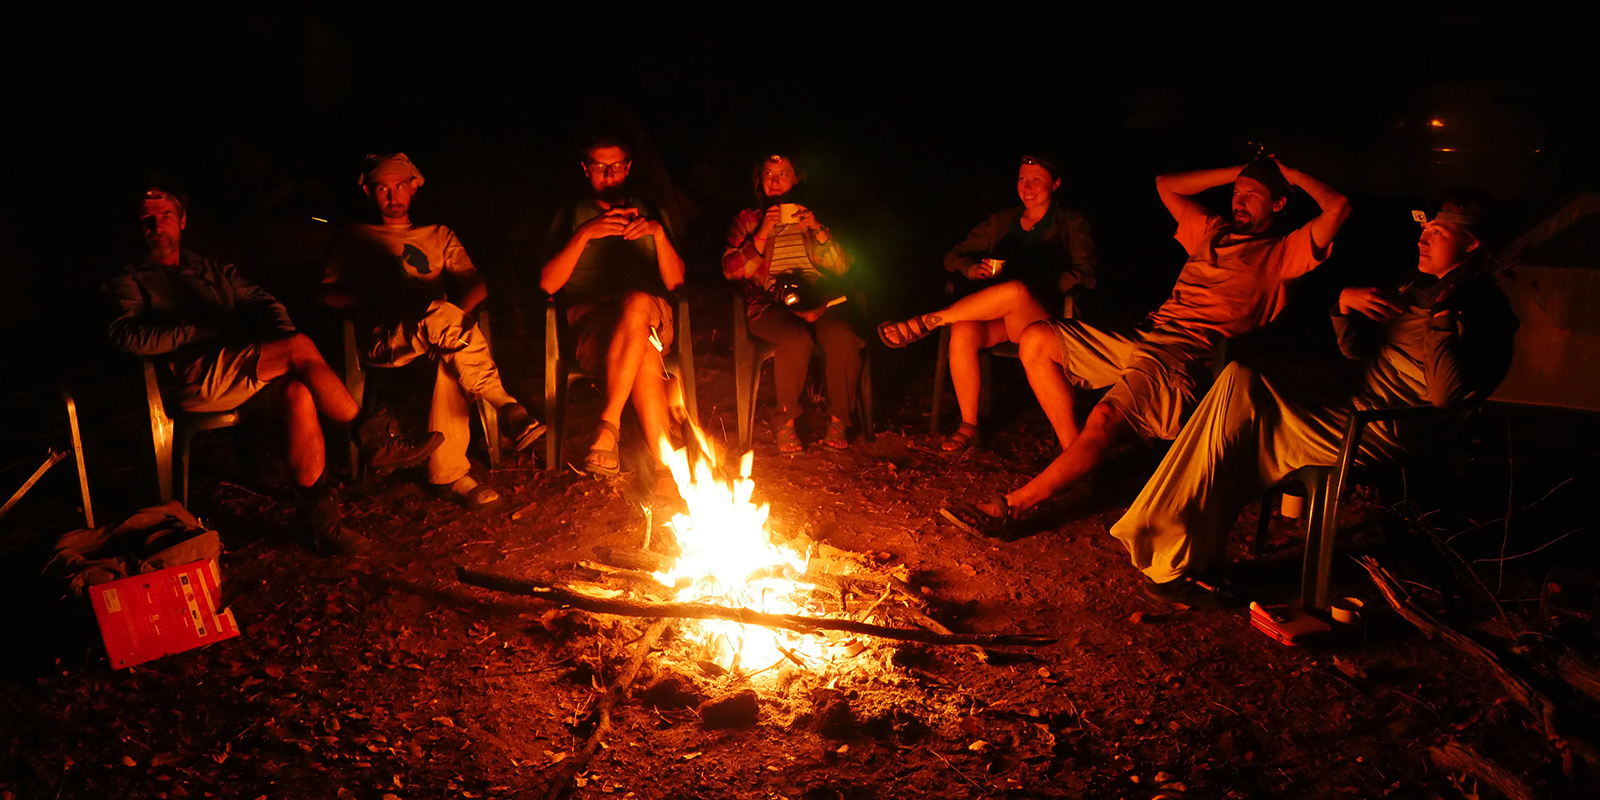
[[787, 212], [995, 265]]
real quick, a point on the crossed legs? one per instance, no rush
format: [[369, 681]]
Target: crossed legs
[[309, 387], [634, 369]]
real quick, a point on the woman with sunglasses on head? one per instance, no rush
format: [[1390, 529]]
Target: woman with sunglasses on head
[[792, 269], [1026, 263]]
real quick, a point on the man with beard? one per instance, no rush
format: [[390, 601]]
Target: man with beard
[[616, 262], [392, 277], [1442, 338], [230, 345], [1232, 283]]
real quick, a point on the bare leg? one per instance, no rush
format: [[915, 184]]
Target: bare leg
[[1001, 301], [306, 452], [629, 342], [967, 339], [650, 400], [1040, 350], [1105, 427], [298, 357]]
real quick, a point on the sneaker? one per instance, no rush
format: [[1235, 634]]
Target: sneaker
[[1188, 591], [320, 516], [385, 449], [520, 426]]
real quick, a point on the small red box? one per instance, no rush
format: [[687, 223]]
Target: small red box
[[145, 617]]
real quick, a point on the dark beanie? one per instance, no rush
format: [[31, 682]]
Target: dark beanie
[[1266, 172]]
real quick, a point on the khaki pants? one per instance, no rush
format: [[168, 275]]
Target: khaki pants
[[1151, 375], [1246, 435], [464, 370], [218, 380]]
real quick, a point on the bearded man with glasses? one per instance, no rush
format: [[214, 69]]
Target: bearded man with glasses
[[615, 262]]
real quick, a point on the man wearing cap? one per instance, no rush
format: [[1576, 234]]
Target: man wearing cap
[[230, 345], [614, 261], [1442, 336], [1232, 282], [392, 277]]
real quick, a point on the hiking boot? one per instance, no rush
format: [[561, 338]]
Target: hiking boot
[[384, 448], [520, 426], [319, 514]]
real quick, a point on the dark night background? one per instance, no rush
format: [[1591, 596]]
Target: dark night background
[[909, 124]]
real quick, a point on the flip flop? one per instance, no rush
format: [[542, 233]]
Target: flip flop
[[901, 334], [605, 461], [468, 493], [972, 519]]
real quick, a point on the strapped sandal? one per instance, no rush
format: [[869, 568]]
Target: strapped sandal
[[788, 439], [835, 437], [972, 519], [900, 334], [605, 461], [961, 439]]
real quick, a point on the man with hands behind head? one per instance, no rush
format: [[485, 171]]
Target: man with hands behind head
[[1443, 337]]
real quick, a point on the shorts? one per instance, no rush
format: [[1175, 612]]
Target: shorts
[[1152, 376], [594, 323], [218, 380]]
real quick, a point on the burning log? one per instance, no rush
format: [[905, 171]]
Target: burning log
[[793, 622]]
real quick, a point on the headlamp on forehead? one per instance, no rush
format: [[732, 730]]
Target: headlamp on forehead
[[156, 193], [1422, 217]]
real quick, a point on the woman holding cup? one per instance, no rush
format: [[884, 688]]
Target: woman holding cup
[[1024, 263], [792, 272]]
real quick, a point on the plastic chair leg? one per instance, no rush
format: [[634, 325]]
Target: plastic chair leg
[[1318, 568]]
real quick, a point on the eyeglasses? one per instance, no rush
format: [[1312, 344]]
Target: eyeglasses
[[619, 168]]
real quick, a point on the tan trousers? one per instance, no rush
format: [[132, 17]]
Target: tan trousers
[[1245, 435], [465, 370]]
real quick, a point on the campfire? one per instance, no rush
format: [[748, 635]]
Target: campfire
[[747, 597], [728, 556]]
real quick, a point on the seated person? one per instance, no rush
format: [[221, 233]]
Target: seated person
[[392, 278], [616, 261], [766, 253], [1443, 337], [230, 345], [1028, 260], [1232, 283]]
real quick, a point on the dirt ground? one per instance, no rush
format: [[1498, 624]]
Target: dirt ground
[[381, 676]]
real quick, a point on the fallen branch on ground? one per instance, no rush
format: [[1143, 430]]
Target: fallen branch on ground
[[793, 622], [1457, 757], [1535, 701], [561, 784]]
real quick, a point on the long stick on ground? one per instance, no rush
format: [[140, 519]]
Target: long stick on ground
[[793, 622], [1456, 757], [1535, 701], [561, 783]]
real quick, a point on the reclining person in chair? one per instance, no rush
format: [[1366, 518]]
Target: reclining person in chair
[[791, 270], [1027, 263], [392, 277], [1232, 283], [1442, 337], [615, 259], [230, 345]]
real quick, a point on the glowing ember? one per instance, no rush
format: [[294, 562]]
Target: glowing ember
[[729, 559]]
